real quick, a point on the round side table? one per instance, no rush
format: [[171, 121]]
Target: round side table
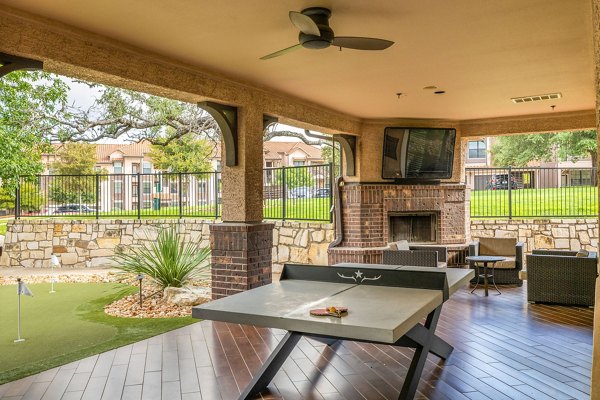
[[485, 260]]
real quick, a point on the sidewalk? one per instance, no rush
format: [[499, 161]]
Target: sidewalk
[[8, 276]]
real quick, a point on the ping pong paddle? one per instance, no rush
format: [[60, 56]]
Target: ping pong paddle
[[337, 312]]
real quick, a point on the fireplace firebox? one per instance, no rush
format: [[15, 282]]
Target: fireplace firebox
[[414, 227]]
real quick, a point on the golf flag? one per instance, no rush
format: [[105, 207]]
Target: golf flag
[[23, 289]]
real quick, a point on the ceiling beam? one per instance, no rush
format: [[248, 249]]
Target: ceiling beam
[[538, 123]]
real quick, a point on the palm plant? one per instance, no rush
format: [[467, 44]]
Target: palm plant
[[169, 261]]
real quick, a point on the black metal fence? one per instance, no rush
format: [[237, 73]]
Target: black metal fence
[[300, 193], [532, 192]]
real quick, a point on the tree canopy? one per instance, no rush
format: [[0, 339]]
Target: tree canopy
[[25, 99], [186, 154], [518, 150]]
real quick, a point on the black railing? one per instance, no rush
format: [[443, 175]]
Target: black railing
[[300, 193], [532, 192]]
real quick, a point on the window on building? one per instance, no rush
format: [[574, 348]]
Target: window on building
[[477, 149], [118, 205], [218, 166], [118, 167], [147, 187], [135, 168], [581, 177], [118, 187], [147, 167], [299, 163]]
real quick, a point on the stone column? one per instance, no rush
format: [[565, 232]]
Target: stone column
[[595, 384], [241, 246]]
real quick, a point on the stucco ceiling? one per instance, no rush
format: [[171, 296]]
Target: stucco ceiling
[[481, 53]]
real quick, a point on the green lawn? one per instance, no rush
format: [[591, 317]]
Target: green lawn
[[3, 223], [299, 209], [558, 202], [66, 326]]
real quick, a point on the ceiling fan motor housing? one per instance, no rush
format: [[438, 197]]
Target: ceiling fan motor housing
[[321, 17]]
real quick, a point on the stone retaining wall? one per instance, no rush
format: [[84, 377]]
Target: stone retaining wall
[[91, 243], [573, 234]]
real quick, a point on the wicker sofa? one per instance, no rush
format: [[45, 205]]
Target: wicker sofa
[[505, 272], [421, 256], [559, 276]]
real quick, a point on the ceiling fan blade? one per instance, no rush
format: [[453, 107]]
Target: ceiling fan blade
[[361, 43], [282, 52], [304, 23]]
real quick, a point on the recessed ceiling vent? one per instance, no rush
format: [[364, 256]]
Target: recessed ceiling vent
[[528, 99]]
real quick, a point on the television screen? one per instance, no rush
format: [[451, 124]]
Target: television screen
[[418, 153]]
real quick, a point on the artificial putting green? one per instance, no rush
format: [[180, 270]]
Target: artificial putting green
[[67, 325]]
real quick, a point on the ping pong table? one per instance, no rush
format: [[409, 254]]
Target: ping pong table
[[386, 304]]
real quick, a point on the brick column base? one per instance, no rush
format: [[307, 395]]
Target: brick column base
[[240, 257]]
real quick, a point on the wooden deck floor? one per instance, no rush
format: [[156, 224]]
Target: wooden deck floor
[[504, 349]]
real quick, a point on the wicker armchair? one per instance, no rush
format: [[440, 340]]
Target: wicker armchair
[[556, 276], [505, 272], [421, 256]]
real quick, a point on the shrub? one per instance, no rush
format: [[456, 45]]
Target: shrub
[[168, 260]]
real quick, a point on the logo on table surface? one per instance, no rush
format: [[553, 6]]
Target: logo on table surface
[[359, 277]]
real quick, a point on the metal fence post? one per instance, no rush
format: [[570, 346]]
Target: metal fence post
[[139, 196], [330, 192], [284, 194], [216, 184], [18, 200], [180, 197], [509, 192], [97, 196]]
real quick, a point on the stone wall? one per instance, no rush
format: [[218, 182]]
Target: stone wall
[[91, 243], [573, 234], [81, 243]]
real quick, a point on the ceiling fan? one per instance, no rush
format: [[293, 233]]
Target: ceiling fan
[[315, 33]]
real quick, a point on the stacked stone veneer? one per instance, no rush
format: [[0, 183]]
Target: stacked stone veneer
[[29, 243], [568, 234], [91, 243], [87, 243]]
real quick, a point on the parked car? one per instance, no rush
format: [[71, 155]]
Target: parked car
[[74, 209], [500, 182], [323, 192], [300, 192]]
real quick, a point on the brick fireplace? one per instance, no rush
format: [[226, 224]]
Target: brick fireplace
[[370, 215]]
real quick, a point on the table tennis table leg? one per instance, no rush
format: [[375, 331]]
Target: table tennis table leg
[[422, 349], [268, 370]]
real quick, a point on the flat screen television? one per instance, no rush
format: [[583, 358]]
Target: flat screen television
[[425, 154]]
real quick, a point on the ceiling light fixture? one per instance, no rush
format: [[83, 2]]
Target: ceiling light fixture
[[432, 87], [439, 92]]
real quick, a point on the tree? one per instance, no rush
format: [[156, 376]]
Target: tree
[[518, 150], [74, 159], [295, 177], [121, 113], [186, 154], [25, 99]]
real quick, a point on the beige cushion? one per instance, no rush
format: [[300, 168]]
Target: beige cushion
[[582, 253], [497, 246], [392, 246], [509, 263], [402, 245]]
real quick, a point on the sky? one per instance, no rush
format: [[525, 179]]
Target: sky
[[82, 96]]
